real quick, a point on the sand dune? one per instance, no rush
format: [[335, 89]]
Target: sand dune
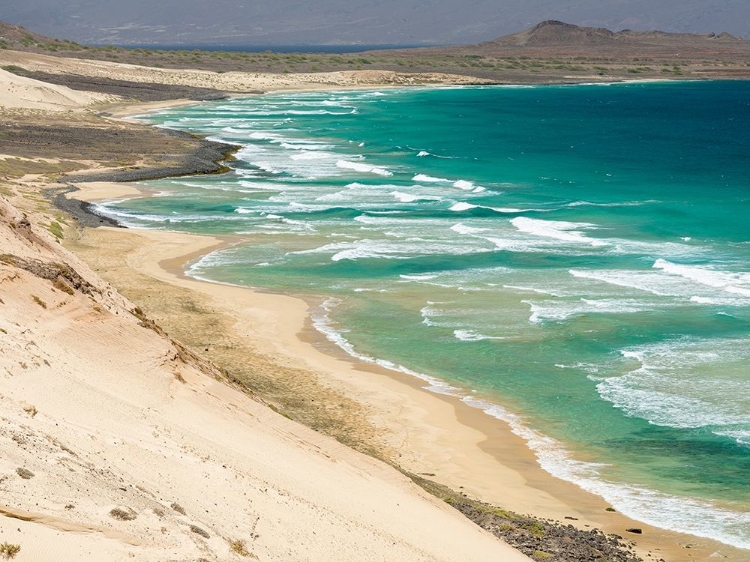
[[118, 443], [18, 92]]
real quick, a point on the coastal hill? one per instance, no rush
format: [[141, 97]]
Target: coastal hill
[[556, 38], [549, 52], [561, 34]]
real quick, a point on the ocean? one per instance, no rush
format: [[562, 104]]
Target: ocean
[[574, 260]]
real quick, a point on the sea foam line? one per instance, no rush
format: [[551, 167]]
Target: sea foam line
[[684, 515]]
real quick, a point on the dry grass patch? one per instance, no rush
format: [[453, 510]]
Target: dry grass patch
[[61, 285], [178, 508], [120, 514], [239, 547], [198, 531], [25, 473], [9, 551]]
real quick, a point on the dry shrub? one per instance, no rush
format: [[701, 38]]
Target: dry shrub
[[239, 547], [198, 531], [178, 508], [25, 473], [123, 514], [9, 551]]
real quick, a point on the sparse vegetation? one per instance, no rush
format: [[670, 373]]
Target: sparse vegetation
[[120, 514], [63, 286], [25, 473], [239, 547], [198, 531], [178, 508], [56, 229], [31, 410], [9, 551], [39, 301]]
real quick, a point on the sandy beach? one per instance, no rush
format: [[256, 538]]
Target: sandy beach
[[118, 420], [425, 433]]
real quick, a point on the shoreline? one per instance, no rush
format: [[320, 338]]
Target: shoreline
[[458, 445], [590, 508]]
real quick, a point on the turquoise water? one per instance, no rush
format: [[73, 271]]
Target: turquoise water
[[572, 259]]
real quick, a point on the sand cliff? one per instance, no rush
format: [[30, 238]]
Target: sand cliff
[[118, 443]]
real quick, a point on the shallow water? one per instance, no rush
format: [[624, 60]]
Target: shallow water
[[577, 254]]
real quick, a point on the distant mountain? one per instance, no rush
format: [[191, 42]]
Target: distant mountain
[[553, 33], [374, 22]]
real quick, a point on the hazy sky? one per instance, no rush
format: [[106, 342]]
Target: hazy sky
[[356, 21]]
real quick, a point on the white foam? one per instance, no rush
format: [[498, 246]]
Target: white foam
[[622, 204], [365, 168], [461, 228], [660, 510], [535, 290], [688, 383], [400, 248], [642, 280], [429, 312], [731, 282], [322, 322], [423, 153], [265, 135], [420, 277], [461, 206], [463, 184], [411, 198], [559, 230], [560, 310], [471, 335], [429, 179], [312, 155], [305, 145], [636, 394]]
